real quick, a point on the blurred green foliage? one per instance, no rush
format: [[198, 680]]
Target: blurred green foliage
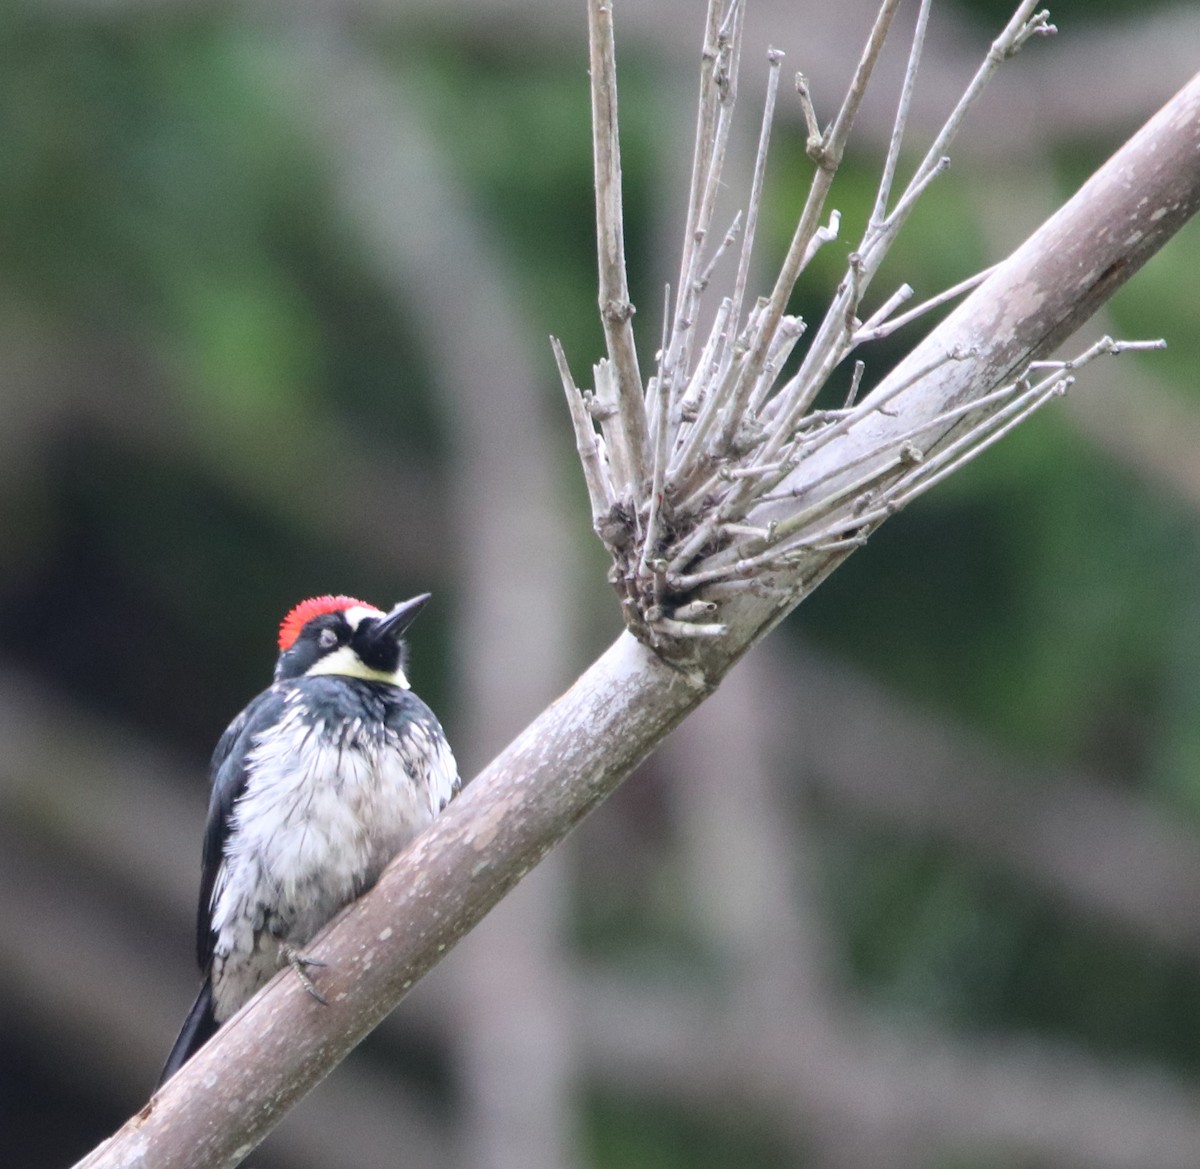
[[628, 1132], [946, 938]]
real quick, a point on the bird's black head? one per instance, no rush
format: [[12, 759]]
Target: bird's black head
[[343, 636]]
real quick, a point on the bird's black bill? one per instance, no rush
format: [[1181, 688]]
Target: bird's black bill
[[395, 624]]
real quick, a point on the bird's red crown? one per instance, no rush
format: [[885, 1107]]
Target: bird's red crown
[[304, 612]]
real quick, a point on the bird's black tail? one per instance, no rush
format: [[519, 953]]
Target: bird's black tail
[[198, 1028]]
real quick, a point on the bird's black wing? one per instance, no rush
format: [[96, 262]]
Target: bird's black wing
[[228, 782]]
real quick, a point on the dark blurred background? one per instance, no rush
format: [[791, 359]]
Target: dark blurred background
[[916, 890]]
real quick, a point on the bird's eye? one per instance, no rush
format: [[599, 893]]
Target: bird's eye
[[328, 639]]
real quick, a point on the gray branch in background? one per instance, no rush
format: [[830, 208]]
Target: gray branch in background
[[514, 639], [909, 1089], [854, 1088], [1104, 856], [1152, 53]]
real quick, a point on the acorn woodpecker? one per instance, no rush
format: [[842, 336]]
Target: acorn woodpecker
[[316, 785]]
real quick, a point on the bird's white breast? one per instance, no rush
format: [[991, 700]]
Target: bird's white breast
[[318, 820]]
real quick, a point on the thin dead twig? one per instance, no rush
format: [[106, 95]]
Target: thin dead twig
[[627, 434]]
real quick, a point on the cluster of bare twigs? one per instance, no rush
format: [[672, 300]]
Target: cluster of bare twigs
[[687, 473]]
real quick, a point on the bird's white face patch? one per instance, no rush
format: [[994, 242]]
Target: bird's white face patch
[[356, 614], [345, 663]]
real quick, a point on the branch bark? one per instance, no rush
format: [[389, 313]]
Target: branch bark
[[580, 749]]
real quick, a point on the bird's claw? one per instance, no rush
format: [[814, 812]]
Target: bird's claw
[[300, 963]]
